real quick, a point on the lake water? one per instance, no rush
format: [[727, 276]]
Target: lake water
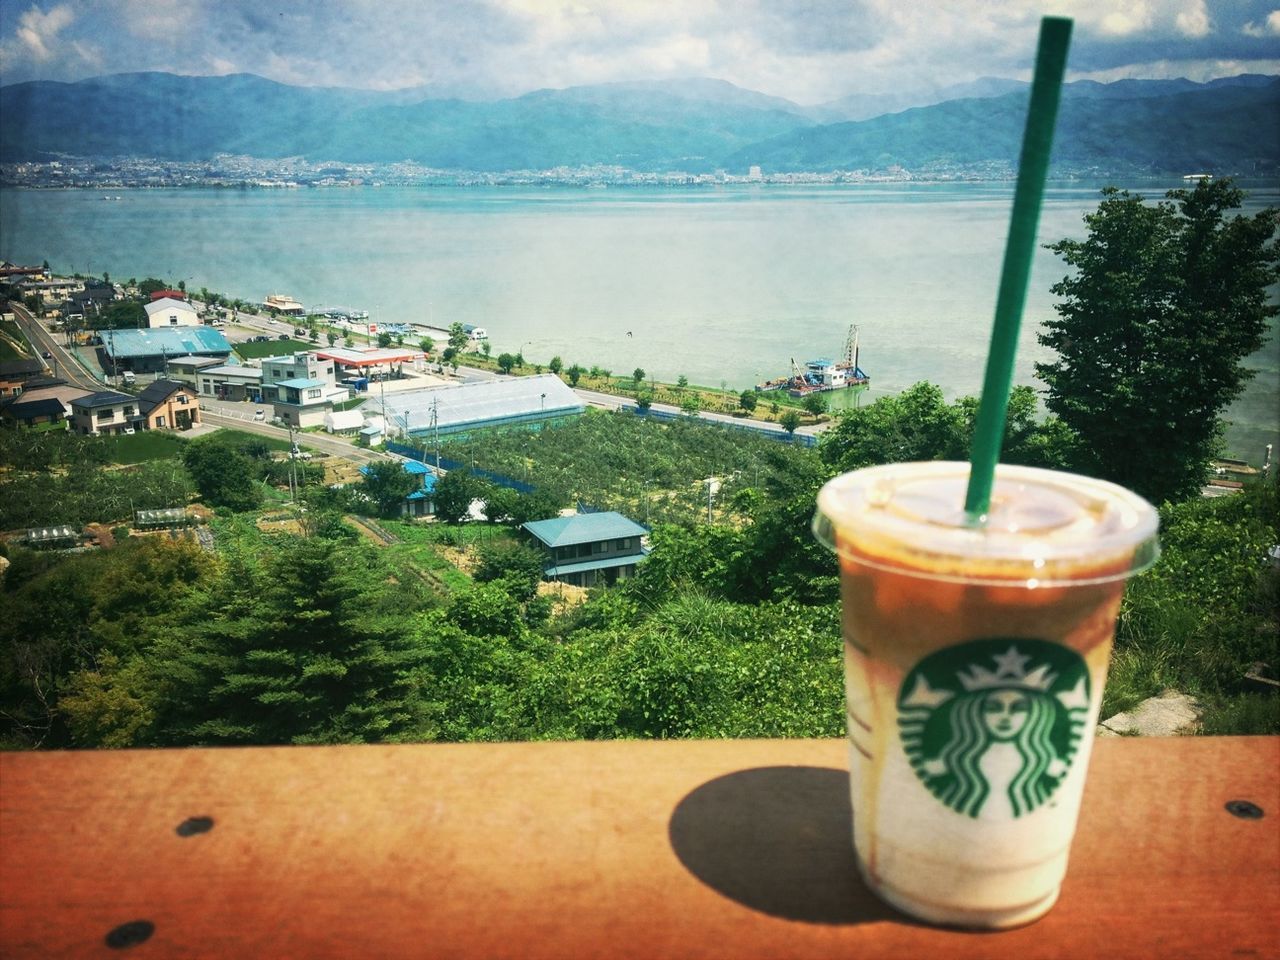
[[719, 285]]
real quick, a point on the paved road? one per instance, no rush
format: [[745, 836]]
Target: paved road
[[62, 362]]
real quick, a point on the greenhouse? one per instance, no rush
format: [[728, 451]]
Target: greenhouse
[[161, 519], [455, 411], [53, 538]]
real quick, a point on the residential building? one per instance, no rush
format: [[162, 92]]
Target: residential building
[[589, 549], [53, 290], [169, 405], [42, 400], [458, 410], [231, 382], [15, 374], [168, 312], [300, 387], [104, 412], [421, 502], [187, 369]]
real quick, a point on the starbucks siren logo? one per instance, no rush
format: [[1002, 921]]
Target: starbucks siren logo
[[991, 727]]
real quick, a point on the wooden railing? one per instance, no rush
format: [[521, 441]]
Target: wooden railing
[[720, 849]]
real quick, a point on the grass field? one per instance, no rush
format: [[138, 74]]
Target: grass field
[[141, 447], [10, 338], [271, 348]]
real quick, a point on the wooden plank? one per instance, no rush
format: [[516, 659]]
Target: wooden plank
[[625, 849]]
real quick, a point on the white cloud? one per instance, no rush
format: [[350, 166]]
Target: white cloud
[[38, 31], [1194, 21], [1268, 28]]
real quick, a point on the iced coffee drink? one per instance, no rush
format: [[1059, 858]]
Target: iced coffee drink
[[975, 657]]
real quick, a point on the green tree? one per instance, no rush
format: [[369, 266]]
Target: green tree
[[790, 421], [917, 424], [426, 344], [121, 315], [384, 340], [224, 476], [747, 400], [681, 382], [574, 374], [644, 401], [331, 337], [306, 643], [690, 405], [1165, 302], [151, 285], [555, 365], [637, 375], [505, 362], [485, 348], [516, 564], [387, 484], [458, 338], [454, 493], [815, 404]]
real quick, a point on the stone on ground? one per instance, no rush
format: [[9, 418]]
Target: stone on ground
[[1171, 714]]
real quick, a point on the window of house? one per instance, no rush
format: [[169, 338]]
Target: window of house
[[624, 543], [182, 398], [160, 421], [313, 394], [106, 415], [600, 546], [128, 411], [173, 319]]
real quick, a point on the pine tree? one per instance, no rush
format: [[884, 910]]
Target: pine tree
[[302, 647]]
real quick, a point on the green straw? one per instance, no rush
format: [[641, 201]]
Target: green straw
[[1037, 140]]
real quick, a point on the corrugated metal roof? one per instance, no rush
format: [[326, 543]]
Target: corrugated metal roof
[[475, 403], [299, 383], [584, 528], [231, 370], [175, 341], [164, 304], [567, 568]]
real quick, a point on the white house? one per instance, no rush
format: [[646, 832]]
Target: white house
[[167, 312]]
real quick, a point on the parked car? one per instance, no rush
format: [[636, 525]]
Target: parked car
[[283, 336], [48, 355], [260, 415]]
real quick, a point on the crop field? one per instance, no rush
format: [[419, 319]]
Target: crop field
[[654, 472], [142, 447]]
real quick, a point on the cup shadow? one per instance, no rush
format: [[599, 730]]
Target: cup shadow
[[778, 840]]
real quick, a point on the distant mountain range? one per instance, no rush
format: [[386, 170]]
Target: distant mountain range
[[699, 125]]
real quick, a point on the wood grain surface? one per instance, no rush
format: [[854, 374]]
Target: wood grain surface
[[727, 849]]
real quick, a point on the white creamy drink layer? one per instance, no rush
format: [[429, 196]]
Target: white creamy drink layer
[[960, 867]]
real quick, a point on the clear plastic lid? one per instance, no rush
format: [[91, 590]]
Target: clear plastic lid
[[1044, 527]]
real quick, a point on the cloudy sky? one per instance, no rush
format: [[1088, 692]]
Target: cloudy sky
[[806, 50]]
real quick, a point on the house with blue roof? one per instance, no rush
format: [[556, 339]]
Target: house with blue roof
[[422, 501], [589, 549]]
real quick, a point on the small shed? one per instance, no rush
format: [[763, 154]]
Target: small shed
[[343, 421], [163, 519]]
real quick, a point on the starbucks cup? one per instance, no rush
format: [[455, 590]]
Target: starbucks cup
[[975, 657]]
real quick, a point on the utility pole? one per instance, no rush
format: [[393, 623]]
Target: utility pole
[[435, 423]]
